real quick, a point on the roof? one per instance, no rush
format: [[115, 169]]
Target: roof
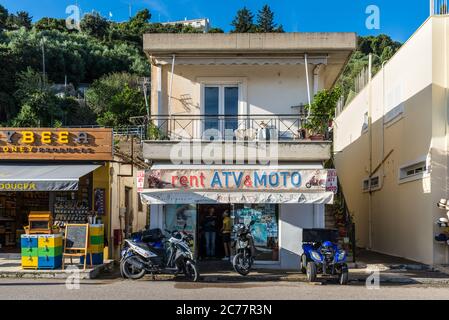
[[335, 47]]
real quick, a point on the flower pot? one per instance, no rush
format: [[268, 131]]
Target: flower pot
[[316, 137]]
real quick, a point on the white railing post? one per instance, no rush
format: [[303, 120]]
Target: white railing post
[[432, 7]]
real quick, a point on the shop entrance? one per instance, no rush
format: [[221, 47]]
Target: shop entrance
[[210, 238]]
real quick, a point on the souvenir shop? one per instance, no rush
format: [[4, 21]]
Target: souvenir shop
[[281, 201], [50, 178]]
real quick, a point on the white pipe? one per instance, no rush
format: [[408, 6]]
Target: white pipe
[[171, 83], [306, 62], [370, 140], [432, 10]]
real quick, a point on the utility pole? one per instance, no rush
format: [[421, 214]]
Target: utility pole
[[43, 60]]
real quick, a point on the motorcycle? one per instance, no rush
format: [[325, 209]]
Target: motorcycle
[[139, 258], [151, 237], [245, 250], [323, 256]]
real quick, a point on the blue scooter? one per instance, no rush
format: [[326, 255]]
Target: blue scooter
[[321, 255]]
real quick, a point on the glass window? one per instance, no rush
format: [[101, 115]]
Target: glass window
[[211, 107], [181, 217], [265, 230], [231, 107]]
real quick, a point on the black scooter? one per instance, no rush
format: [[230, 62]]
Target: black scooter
[[245, 250], [139, 258]]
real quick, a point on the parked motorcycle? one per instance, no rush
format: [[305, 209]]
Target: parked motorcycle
[[139, 258], [244, 247], [151, 237]]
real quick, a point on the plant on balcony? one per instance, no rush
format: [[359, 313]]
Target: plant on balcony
[[322, 111], [154, 133]]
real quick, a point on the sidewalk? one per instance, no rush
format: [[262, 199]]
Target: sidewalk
[[11, 267], [392, 270]]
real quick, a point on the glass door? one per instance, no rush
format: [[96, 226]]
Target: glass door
[[221, 109]]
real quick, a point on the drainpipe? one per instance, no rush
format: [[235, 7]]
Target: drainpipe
[[370, 141], [171, 83], [306, 62]]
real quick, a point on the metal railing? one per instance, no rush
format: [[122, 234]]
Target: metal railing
[[227, 127]]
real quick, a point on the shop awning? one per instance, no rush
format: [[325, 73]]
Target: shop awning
[[42, 177], [164, 196]]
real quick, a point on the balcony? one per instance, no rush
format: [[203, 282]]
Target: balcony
[[282, 137]]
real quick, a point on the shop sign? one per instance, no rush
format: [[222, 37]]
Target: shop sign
[[140, 180], [300, 180], [55, 144]]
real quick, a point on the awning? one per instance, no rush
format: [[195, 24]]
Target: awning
[[164, 196], [42, 177], [239, 60]]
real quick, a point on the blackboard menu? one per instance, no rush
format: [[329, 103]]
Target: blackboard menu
[[76, 236]]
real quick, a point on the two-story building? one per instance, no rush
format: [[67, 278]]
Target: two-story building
[[226, 134]]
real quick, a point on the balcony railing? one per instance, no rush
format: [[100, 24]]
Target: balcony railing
[[224, 127]]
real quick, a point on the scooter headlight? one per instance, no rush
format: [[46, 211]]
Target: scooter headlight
[[316, 256]]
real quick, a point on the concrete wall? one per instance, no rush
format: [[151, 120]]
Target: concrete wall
[[403, 214], [118, 186], [269, 89]]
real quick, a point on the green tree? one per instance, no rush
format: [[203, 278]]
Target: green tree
[[23, 19], [243, 21], [115, 98], [322, 110], [3, 17], [215, 30], [27, 117], [51, 24], [265, 20], [94, 25]]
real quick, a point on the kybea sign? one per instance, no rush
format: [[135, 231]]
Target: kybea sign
[[269, 179], [55, 144]]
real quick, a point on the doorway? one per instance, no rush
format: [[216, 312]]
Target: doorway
[[210, 222]]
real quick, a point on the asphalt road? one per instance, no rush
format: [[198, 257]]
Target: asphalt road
[[19, 289]]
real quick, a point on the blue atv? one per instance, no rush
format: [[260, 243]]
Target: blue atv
[[321, 255]]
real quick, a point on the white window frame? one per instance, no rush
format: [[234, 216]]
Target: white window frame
[[370, 186], [420, 163], [222, 82]]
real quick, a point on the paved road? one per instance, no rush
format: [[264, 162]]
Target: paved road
[[147, 289]]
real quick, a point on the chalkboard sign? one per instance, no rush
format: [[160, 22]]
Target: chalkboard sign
[[76, 236]]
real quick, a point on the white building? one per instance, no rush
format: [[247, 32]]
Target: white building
[[202, 24], [246, 88]]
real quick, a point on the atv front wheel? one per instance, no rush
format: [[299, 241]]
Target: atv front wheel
[[303, 264], [311, 271]]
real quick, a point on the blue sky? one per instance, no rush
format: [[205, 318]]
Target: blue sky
[[398, 18]]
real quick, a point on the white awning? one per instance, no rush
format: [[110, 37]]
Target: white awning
[[42, 177], [314, 60], [164, 196], [296, 166]]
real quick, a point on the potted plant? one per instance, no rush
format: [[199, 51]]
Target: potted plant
[[321, 112]]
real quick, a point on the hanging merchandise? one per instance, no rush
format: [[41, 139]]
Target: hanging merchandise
[[442, 204]]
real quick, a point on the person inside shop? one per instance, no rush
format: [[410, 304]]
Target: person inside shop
[[210, 230], [226, 234]]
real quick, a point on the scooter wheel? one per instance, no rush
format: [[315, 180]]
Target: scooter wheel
[[129, 270], [238, 264], [343, 277], [191, 271]]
